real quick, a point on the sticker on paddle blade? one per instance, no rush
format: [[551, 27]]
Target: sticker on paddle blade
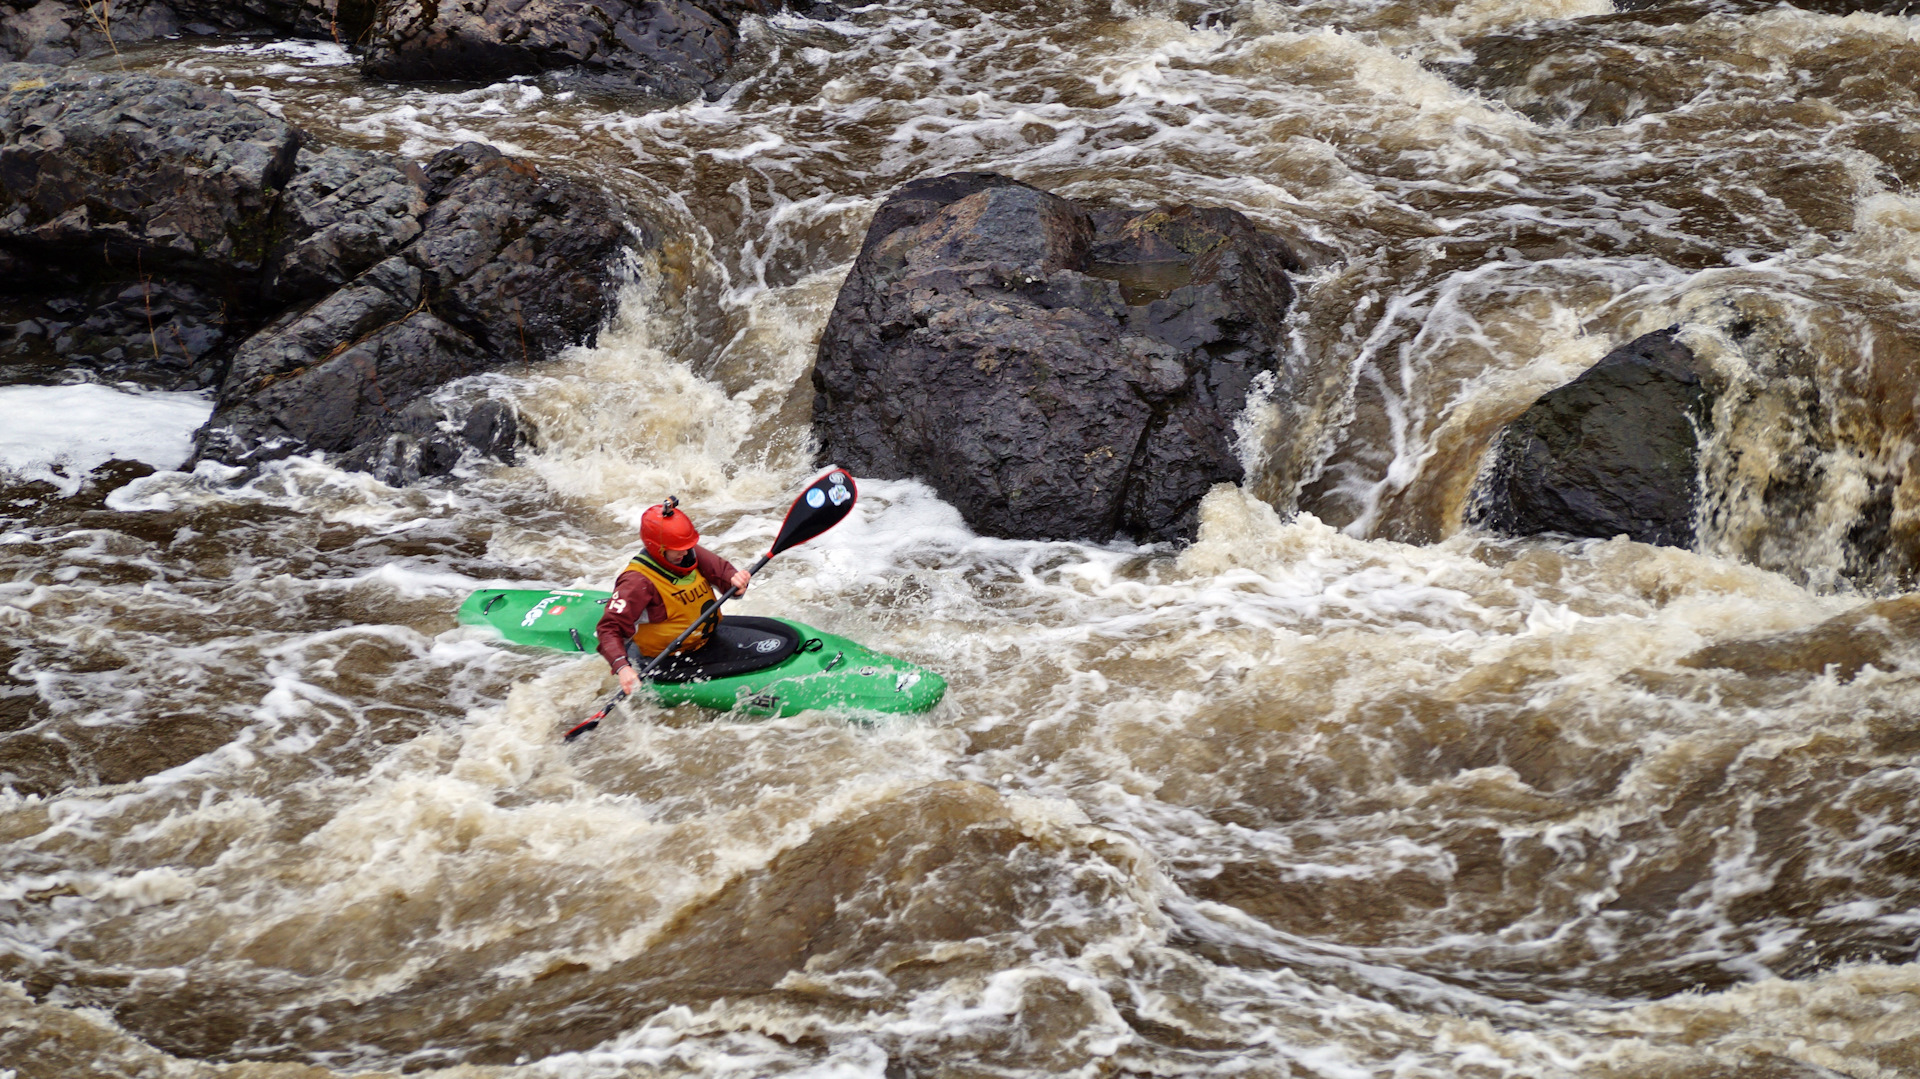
[[825, 503]]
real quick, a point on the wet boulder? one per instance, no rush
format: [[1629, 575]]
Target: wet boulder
[[158, 175], [517, 259], [509, 266], [135, 222], [668, 47], [56, 31], [1614, 452], [159, 231], [344, 210], [672, 48], [338, 20], [1053, 369]]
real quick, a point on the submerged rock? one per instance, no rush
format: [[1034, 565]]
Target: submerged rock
[[1870, 635], [1614, 452], [165, 232], [1640, 59], [1055, 370], [919, 877]]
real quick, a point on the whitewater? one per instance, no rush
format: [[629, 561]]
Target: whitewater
[[1344, 789]]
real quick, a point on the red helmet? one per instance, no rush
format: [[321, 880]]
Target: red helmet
[[665, 527]]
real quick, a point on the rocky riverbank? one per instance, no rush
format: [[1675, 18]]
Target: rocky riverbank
[[170, 234], [669, 48]]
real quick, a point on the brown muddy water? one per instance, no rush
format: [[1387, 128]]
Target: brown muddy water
[[1341, 790]]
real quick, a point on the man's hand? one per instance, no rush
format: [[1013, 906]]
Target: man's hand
[[629, 680], [739, 582]]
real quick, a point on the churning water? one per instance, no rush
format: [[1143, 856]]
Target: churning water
[[1340, 790]]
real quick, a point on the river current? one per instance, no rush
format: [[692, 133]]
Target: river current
[[1343, 789]]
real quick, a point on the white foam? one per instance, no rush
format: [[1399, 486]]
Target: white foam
[[58, 434], [427, 123], [304, 53]]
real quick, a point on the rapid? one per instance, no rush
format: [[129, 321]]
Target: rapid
[[1344, 789]]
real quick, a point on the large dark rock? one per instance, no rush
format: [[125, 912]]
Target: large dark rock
[[158, 174], [515, 259], [509, 266], [56, 31], [340, 20], [670, 47], [136, 216], [1052, 369], [1614, 452], [156, 230]]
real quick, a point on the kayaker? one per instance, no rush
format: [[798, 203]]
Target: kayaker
[[661, 592]]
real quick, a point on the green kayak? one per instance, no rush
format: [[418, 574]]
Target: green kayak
[[758, 666]]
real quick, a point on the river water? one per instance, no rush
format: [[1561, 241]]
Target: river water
[[1342, 789]]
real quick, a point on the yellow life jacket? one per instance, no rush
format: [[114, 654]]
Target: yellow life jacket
[[685, 597]]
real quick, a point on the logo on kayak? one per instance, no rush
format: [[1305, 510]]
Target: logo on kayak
[[838, 494], [816, 498], [906, 681], [560, 609], [539, 609], [771, 644]]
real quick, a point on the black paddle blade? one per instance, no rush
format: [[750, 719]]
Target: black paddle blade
[[825, 503]]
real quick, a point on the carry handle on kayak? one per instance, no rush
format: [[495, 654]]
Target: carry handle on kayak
[[825, 503]]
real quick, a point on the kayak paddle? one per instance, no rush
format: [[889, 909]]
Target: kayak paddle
[[825, 503]]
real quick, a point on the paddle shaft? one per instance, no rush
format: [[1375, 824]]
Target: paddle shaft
[[711, 612]]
